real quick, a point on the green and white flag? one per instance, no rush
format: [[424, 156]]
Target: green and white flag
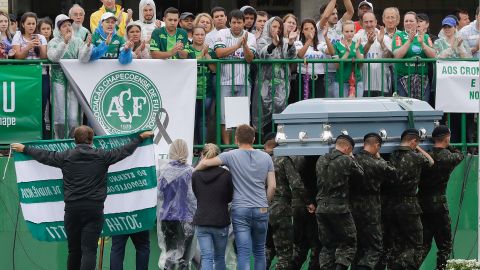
[[131, 190]]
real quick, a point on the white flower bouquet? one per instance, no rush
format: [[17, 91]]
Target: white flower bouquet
[[459, 264]]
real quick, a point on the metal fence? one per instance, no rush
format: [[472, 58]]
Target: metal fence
[[299, 80]]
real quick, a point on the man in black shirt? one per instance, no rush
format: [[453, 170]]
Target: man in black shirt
[[84, 172]]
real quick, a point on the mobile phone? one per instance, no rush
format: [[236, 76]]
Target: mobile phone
[[85, 38]]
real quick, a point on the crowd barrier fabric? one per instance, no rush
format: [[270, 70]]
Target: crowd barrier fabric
[[457, 87], [131, 190], [21, 103]]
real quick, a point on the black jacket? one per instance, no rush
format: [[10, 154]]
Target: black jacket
[[213, 188], [84, 169]]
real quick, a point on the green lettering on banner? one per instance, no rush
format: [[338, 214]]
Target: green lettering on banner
[[474, 95], [119, 182], [115, 224], [20, 120]]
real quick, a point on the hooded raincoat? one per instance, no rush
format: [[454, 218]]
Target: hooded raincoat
[[64, 97], [176, 205], [147, 26], [115, 50], [272, 86]]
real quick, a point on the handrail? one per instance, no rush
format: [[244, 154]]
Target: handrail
[[278, 61]]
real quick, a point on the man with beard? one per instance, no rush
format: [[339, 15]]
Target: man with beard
[[148, 18], [186, 23], [77, 14]]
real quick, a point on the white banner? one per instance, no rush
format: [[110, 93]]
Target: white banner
[[146, 94], [457, 87]]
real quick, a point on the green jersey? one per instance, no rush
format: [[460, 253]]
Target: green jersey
[[162, 41], [415, 50], [203, 72], [113, 48], [341, 50]]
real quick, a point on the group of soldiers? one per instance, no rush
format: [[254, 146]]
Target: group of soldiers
[[361, 211]]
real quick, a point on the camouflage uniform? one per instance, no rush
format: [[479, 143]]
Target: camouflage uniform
[[305, 228], [366, 207], [432, 198], [402, 221], [289, 192], [336, 227]]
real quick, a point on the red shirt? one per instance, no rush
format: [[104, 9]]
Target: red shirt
[[357, 26]]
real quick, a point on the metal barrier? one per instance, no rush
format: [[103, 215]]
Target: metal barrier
[[300, 81]]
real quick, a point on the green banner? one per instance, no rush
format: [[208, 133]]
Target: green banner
[[20, 103], [115, 224]]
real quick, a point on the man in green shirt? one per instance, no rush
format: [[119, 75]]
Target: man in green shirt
[[169, 42]]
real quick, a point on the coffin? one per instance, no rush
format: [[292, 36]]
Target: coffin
[[309, 127]]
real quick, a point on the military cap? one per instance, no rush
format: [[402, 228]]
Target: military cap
[[269, 136], [346, 137], [373, 134], [440, 131], [410, 131]]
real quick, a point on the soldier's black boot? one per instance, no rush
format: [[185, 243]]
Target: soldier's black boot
[[341, 267]]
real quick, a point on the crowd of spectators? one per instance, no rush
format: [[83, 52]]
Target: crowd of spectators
[[247, 34]]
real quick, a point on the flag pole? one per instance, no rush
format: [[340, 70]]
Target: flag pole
[[100, 258]]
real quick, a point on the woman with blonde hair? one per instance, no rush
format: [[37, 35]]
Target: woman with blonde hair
[[205, 21], [175, 209], [213, 189]]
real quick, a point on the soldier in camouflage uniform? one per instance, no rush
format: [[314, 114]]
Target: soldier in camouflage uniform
[[305, 228], [336, 227], [402, 220], [289, 193], [366, 202], [432, 196]]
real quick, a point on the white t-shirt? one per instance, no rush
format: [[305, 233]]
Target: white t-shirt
[[375, 52], [319, 68], [226, 39], [335, 35], [19, 39]]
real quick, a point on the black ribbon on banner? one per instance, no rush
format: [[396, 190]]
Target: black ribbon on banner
[[162, 127]]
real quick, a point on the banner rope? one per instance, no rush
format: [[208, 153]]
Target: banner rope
[[8, 161]]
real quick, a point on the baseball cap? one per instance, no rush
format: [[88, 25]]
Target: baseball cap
[[373, 134], [107, 15], [449, 21], [346, 137], [423, 17], [185, 15], [366, 3], [410, 131], [440, 131], [60, 19]]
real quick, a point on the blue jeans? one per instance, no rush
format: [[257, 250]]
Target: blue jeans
[[212, 242], [250, 229], [141, 241]]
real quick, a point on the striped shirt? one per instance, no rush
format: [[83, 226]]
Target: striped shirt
[[225, 39], [470, 35], [375, 52]]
